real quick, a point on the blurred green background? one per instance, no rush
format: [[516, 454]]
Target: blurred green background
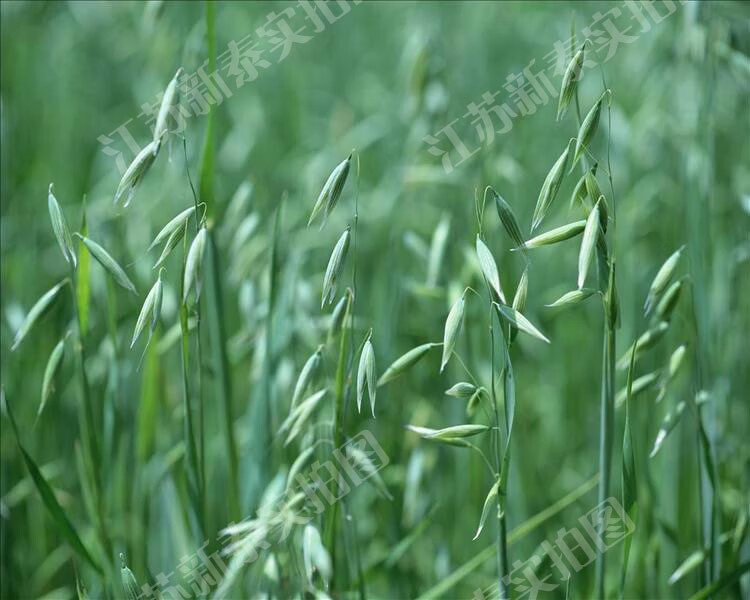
[[378, 80]]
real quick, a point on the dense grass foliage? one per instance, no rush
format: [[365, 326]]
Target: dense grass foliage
[[325, 289]]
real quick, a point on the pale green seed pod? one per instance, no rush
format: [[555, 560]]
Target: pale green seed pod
[[315, 555], [452, 329], [662, 278], [508, 219], [175, 224], [646, 341], [366, 375], [51, 372], [298, 464], [194, 265], [331, 191], [136, 171], [550, 187], [668, 302], [572, 298], [405, 362], [151, 309], [516, 319], [306, 376], [110, 264], [558, 234], [579, 193], [60, 227], [169, 102], [489, 268], [333, 270], [37, 312], [640, 385], [588, 128], [337, 316], [172, 241], [461, 390], [570, 81], [448, 433], [588, 244]]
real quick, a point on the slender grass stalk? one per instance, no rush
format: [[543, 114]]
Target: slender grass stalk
[[517, 533], [192, 465], [502, 542], [201, 449], [217, 334], [91, 444], [338, 435]]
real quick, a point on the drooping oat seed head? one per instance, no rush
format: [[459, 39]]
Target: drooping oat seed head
[[572, 298], [331, 191], [306, 376], [644, 342], [489, 268], [169, 103], [60, 227], [172, 241], [588, 128], [463, 390], [452, 329], [194, 265], [405, 362], [177, 223], [51, 372], [516, 319], [437, 250], [669, 301], [136, 171], [151, 309], [570, 81], [558, 234], [333, 270], [508, 219], [367, 374], [662, 279], [588, 244], [110, 264], [315, 555], [37, 311], [550, 187]]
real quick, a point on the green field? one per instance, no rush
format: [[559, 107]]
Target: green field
[[384, 300]]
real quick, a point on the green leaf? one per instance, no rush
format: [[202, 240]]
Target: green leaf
[[48, 497], [37, 312], [724, 581]]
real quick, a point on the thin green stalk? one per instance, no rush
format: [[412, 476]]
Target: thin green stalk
[[606, 428], [193, 478], [201, 450], [502, 542], [338, 436], [89, 431], [439, 590], [221, 365]]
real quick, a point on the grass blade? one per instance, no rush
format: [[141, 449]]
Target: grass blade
[[48, 497]]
